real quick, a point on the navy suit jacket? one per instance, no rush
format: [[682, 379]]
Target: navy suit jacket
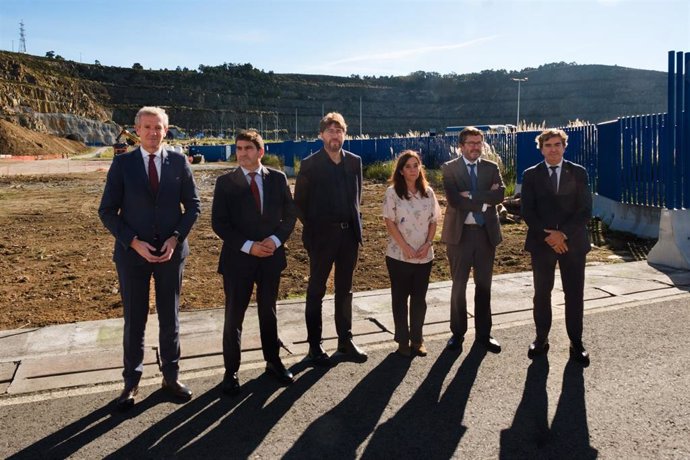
[[569, 210], [129, 208], [235, 219], [312, 204]]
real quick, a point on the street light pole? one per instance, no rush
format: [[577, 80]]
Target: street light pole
[[519, 81]]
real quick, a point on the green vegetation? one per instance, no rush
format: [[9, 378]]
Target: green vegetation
[[273, 161], [107, 154], [379, 171]]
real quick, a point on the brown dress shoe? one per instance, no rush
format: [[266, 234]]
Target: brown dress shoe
[[126, 399], [419, 349], [177, 389], [404, 350]]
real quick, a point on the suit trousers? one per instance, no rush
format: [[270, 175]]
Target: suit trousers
[[572, 267], [475, 252], [238, 291], [408, 280], [331, 245], [135, 282]]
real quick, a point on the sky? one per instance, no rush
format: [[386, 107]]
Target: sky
[[351, 37]]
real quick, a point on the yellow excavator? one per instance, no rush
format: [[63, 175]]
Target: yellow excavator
[[123, 141]]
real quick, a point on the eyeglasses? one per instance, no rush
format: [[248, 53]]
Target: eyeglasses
[[334, 131], [472, 144]]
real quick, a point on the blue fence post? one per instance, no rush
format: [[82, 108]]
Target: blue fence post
[[685, 146], [669, 141]]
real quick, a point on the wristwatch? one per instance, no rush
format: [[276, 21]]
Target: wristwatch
[[176, 234]]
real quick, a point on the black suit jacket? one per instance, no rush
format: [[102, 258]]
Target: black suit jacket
[[312, 204], [129, 208], [235, 219], [569, 210]]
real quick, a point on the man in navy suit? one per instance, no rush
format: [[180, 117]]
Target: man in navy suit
[[150, 204], [328, 192], [557, 205], [254, 214]]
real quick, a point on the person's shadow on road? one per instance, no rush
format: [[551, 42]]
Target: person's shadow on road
[[530, 437], [340, 431], [241, 422], [69, 439], [429, 425]]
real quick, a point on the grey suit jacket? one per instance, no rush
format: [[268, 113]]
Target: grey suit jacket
[[456, 179], [129, 208]]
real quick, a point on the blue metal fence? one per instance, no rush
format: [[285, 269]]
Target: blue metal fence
[[642, 160]]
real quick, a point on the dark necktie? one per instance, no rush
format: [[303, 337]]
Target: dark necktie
[[255, 190], [554, 178], [153, 174], [478, 216]]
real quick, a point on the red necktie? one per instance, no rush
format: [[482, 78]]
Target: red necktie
[[153, 175], [255, 190]]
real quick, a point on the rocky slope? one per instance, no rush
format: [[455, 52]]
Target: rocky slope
[[232, 96]]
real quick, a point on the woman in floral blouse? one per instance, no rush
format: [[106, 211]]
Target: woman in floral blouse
[[410, 210]]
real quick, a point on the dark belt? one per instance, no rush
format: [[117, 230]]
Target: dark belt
[[473, 225], [340, 225]]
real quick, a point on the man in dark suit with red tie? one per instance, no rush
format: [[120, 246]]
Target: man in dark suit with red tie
[[557, 205], [150, 204], [254, 214], [471, 231]]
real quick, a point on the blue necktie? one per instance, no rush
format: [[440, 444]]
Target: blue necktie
[[478, 216], [554, 178]]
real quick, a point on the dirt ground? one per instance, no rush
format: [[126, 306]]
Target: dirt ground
[[56, 267], [18, 141]]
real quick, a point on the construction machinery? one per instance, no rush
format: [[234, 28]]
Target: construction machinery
[[124, 140]]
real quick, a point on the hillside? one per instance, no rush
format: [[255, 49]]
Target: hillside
[[232, 96]]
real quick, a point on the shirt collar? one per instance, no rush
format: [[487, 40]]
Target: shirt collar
[[259, 170], [146, 154], [467, 163], [559, 165]]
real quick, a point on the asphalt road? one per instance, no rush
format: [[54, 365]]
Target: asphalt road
[[632, 402]]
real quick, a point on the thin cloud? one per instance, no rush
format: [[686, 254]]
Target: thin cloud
[[399, 54]]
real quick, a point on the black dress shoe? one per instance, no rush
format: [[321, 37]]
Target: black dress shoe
[[231, 384], [177, 389], [278, 371], [538, 347], [349, 348], [491, 345], [579, 354], [318, 357], [126, 399], [454, 343]]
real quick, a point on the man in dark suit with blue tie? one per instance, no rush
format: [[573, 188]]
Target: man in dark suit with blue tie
[[328, 193], [471, 231], [557, 205], [150, 204], [254, 214]]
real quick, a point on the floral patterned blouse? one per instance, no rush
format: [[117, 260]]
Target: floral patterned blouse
[[412, 217]]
